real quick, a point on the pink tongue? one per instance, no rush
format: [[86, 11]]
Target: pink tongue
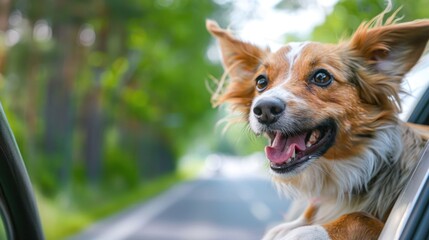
[[282, 148]]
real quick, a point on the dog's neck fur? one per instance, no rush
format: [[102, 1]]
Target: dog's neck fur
[[370, 182]]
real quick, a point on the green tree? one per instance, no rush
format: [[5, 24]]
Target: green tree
[[109, 91], [347, 15]]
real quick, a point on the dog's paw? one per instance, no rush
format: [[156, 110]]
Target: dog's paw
[[281, 230], [298, 228], [290, 231], [312, 232]]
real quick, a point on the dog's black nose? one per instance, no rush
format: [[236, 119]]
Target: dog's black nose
[[268, 110]]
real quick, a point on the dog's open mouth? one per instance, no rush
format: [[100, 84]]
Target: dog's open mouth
[[288, 152]]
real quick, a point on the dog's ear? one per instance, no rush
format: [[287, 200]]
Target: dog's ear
[[240, 59], [392, 49], [389, 52]]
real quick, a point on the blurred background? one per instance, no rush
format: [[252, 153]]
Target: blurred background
[[109, 100]]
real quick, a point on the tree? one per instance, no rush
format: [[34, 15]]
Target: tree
[[347, 15], [108, 89]]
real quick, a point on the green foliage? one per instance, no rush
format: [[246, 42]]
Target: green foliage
[[120, 170], [104, 96], [347, 16], [143, 78]]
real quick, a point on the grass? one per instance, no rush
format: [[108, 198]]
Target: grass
[[64, 217]]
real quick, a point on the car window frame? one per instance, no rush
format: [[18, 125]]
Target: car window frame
[[19, 209], [420, 114], [404, 212]]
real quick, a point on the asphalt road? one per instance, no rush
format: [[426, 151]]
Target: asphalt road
[[203, 209]]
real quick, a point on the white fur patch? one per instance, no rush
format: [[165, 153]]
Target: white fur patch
[[312, 232], [293, 55], [281, 230], [295, 51]]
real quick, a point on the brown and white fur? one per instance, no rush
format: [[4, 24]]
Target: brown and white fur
[[368, 154]]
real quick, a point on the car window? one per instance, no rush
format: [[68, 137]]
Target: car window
[[414, 86]]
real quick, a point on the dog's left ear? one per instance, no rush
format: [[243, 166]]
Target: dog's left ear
[[392, 49], [240, 58], [241, 61]]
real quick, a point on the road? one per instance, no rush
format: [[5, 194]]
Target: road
[[202, 209]]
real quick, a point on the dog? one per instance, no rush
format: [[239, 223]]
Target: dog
[[330, 113]]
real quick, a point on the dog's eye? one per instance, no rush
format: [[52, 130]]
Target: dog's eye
[[261, 83], [322, 78]]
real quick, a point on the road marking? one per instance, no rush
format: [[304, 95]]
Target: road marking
[[133, 221]]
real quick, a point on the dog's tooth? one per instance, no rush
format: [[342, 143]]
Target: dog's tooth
[[308, 144], [294, 154], [313, 137], [316, 134]]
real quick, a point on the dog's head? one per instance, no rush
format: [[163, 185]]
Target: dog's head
[[312, 99]]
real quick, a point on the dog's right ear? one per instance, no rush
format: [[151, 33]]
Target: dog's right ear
[[240, 59]]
